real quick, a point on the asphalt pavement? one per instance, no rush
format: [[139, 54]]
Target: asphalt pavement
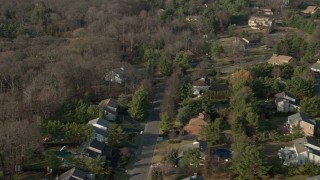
[[146, 149]]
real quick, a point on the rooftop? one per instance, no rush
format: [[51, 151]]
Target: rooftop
[[299, 116], [100, 121], [109, 102], [97, 145], [310, 10], [201, 82], [280, 59], [195, 124], [315, 66], [73, 173]]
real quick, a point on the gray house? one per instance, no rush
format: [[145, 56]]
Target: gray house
[[73, 173], [285, 102], [110, 108], [100, 127]]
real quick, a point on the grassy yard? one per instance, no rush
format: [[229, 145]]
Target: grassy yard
[[162, 148]]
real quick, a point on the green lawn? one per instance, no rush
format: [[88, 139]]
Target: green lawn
[[162, 148]]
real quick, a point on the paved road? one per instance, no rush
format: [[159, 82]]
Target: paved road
[[149, 139]]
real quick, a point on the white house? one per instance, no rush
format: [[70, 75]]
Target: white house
[[200, 85], [285, 102], [261, 23], [110, 108], [100, 127], [304, 149], [117, 75]]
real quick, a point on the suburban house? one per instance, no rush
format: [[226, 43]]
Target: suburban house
[[117, 75], [218, 91], [304, 149], [285, 102], [194, 177], [97, 148], [266, 11], [193, 18], [314, 178], [195, 124], [261, 23], [110, 108], [281, 59], [200, 85], [309, 10], [196, 144], [100, 126], [315, 67], [75, 174], [249, 43], [307, 124]]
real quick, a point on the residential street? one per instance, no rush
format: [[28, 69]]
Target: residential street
[[149, 138]]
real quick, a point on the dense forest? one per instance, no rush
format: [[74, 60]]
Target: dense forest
[[52, 50]]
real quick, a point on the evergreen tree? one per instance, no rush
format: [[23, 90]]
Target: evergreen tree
[[165, 67], [310, 106], [191, 158], [211, 133], [116, 135], [249, 163], [172, 157], [123, 101], [139, 104], [299, 87], [166, 123]]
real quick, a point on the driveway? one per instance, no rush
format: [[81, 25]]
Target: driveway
[[145, 152]]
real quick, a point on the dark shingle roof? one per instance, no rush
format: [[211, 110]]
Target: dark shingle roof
[[73, 173], [219, 87], [97, 145], [100, 121], [201, 82]]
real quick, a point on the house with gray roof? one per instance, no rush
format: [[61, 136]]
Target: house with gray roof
[[304, 149], [97, 148], [100, 127], [304, 122], [286, 102], [110, 107], [73, 174]]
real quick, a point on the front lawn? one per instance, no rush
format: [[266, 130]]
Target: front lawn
[[163, 148]]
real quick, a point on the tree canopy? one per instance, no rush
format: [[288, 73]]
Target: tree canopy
[[139, 104], [310, 106]]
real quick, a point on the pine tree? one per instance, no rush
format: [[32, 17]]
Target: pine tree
[[116, 135], [211, 133], [139, 104], [249, 164], [166, 123]]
